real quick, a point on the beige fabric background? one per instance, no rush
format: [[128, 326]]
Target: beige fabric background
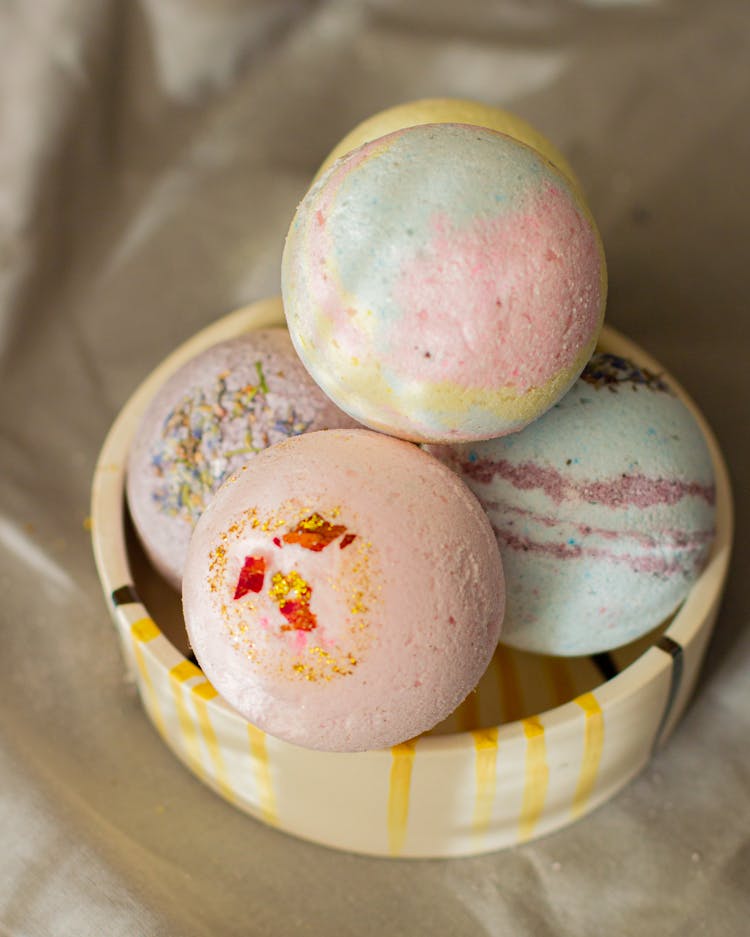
[[151, 155]]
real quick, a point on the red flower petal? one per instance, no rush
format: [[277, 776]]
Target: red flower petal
[[299, 616], [252, 576], [314, 533]]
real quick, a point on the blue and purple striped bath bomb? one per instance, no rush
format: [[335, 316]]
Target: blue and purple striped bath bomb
[[603, 509]]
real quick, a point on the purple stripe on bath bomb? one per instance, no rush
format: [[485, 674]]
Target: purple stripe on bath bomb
[[626, 491]]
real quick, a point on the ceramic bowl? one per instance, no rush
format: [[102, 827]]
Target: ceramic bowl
[[540, 743]]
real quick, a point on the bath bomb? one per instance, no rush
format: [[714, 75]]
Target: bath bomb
[[219, 410], [444, 283], [604, 511], [343, 591], [449, 111]]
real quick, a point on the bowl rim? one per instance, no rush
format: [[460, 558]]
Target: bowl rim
[[113, 566]]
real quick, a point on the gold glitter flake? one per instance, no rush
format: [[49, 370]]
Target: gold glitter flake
[[358, 607], [305, 671], [326, 666], [272, 524], [313, 522], [292, 594], [288, 586]]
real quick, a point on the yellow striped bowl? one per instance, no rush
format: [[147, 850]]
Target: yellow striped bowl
[[541, 742]]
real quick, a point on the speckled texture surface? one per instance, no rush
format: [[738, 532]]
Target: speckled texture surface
[[443, 282], [344, 591], [152, 158], [604, 510], [221, 409]]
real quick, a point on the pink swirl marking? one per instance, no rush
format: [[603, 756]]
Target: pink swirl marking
[[522, 287], [668, 538], [656, 564], [628, 490]]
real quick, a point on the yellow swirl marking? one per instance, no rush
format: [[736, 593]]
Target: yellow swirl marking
[[262, 769], [398, 795], [447, 401], [593, 744], [485, 766], [537, 777]]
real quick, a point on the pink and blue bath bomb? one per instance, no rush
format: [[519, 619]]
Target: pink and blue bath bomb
[[444, 283]]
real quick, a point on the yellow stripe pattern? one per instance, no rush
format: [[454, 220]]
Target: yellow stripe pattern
[[398, 795], [263, 782], [485, 766], [183, 671], [202, 692], [536, 777], [192, 732], [145, 629], [142, 631], [593, 743]]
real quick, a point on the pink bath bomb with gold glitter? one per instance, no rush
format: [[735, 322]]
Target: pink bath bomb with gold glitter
[[444, 282], [219, 410], [344, 591]]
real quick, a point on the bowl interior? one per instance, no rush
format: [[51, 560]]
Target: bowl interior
[[516, 685]]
